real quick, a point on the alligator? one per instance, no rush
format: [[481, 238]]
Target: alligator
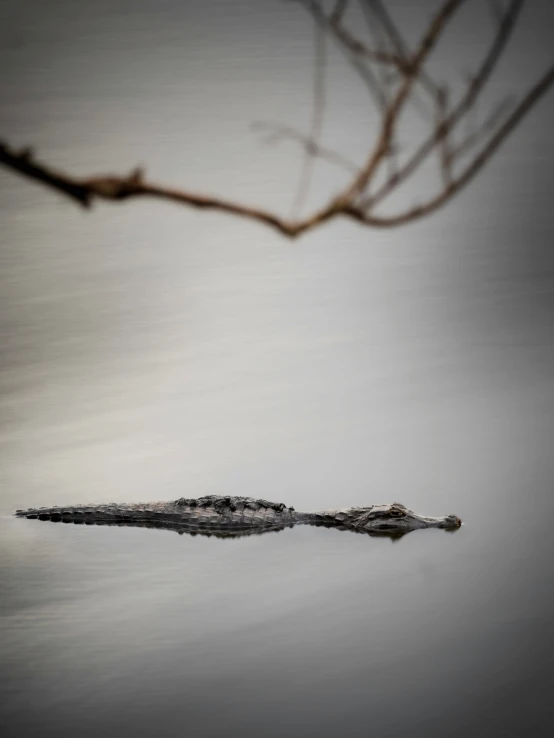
[[231, 517]]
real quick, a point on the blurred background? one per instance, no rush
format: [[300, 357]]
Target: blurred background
[[149, 351]]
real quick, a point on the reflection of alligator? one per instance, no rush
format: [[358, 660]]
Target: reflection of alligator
[[228, 517]]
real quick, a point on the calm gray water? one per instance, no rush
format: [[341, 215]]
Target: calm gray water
[[150, 352]]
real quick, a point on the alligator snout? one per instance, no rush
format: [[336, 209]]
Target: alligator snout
[[451, 522]]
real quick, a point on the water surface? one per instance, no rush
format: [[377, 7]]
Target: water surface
[[149, 352]]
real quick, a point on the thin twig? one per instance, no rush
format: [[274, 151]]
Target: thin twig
[[278, 132], [357, 47], [445, 155], [364, 71], [473, 138], [318, 110], [339, 11]]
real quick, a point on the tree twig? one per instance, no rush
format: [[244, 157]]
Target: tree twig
[[364, 71], [314, 148], [318, 111]]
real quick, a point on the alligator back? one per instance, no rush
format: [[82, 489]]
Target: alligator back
[[212, 512]]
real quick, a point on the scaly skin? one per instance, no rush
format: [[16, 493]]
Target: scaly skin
[[236, 516]]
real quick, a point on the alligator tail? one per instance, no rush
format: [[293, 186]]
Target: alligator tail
[[91, 514]]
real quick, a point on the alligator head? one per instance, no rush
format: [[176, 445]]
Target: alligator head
[[394, 519]]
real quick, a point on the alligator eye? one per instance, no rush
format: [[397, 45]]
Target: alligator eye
[[396, 513]]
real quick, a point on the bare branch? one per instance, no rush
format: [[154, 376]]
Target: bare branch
[[391, 53], [532, 97], [429, 39], [465, 105], [111, 187]]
